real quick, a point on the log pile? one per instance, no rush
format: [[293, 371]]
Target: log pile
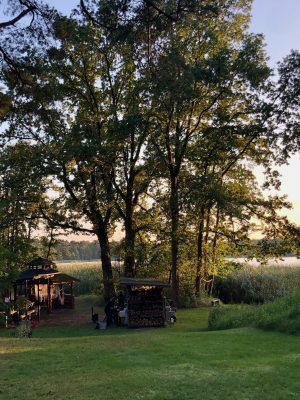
[[146, 308]]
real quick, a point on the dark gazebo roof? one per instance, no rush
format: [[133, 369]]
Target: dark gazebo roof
[[31, 273], [41, 274], [41, 269]]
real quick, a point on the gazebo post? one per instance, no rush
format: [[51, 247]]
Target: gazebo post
[[38, 298], [49, 297], [15, 292], [72, 297], [26, 297]]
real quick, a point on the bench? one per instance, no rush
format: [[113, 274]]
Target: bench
[[215, 302], [28, 315]]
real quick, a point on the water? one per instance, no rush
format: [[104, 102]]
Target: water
[[282, 262]]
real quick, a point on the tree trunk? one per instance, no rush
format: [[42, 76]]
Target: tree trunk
[[214, 250], [205, 250], [174, 207], [199, 252], [109, 289], [129, 259]]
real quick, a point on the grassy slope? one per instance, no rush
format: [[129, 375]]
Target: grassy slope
[[180, 362]]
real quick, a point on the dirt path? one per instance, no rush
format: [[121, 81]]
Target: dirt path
[[65, 317]]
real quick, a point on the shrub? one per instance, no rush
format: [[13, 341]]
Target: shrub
[[281, 315], [229, 317], [23, 330], [2, 319]]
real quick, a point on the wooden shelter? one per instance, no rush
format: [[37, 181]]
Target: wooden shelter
[[146, 302], [44, 286]]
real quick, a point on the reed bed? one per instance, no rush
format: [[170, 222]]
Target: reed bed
[[258, 284], [89, 275]]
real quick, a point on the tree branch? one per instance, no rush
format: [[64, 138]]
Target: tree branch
[[160, 11], [22, 14], [61, 225], [90, 17]]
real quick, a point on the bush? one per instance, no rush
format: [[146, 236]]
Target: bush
[[229, 317], [24, 330], [281, 315], [2, 319]]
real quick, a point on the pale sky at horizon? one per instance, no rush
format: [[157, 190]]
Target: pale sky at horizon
[[279, 22]]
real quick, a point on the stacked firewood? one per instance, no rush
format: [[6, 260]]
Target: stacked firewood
[[146, 310]]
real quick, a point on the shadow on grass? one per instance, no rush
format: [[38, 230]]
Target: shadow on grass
[[188, 320]]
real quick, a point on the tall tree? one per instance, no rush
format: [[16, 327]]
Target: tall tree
[[206, 73], [68, 108], [20, 194]]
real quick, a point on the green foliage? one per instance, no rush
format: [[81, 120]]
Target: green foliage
[[21, 190], [281, 315], [257, 284], [4, 312]]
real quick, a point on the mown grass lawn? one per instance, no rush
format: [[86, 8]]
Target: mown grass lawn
[[184, 361]]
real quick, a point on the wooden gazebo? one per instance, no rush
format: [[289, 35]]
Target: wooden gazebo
[[44, 286]]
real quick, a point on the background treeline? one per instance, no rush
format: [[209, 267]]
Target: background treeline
[[75, 250]]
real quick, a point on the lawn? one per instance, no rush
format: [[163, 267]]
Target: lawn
[[184, 361]]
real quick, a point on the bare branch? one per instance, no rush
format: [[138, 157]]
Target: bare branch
[[22, 14]]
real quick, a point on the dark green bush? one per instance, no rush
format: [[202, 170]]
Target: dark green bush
[[281, 315], [229, 317]]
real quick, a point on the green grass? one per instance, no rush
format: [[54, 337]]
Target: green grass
[[185, 361]]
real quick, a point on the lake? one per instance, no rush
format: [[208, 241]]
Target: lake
[[283, 262]]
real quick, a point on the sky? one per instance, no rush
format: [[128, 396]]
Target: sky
[[278, 20]]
